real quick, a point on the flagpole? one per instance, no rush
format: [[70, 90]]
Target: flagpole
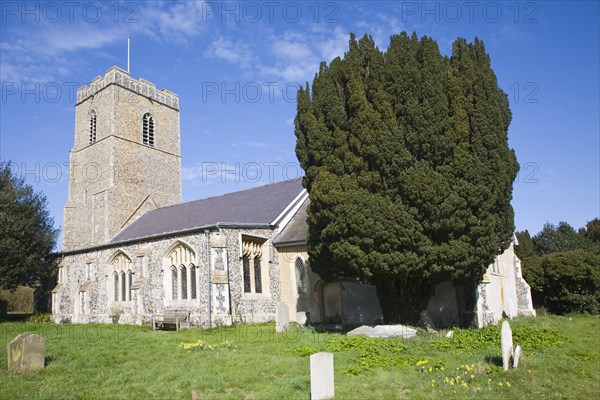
[[128, 47]]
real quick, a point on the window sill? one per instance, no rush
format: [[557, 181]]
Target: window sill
[[177, 303], [256, 296], [122, 303]]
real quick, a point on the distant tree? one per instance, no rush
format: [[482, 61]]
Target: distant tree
[[561, 238], [572, 282], [525, 247], [407, 167], [592, 232], [531, 265], [27, 235]]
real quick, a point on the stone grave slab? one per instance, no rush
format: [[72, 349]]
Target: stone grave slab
[[384, 331]]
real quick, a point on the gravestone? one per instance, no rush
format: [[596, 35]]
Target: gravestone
[[26, 352], [518, 353], [282, 317], [506, 343], [384, 331], [321, 376], [302, 317]]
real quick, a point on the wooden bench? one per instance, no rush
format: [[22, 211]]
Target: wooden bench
[[171, 317]]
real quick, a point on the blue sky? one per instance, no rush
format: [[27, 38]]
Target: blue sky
[[236, 66]]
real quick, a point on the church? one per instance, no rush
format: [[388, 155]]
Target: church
[[133, 251]]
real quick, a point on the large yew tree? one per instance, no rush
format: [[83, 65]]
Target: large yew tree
[[408, 169], [27, 234]]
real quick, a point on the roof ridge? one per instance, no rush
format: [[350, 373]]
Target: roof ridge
[[227, 194]]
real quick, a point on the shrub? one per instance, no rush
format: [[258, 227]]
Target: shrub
[[19, 300], [572, 282], [473, 339], [533, 272], [41, 318]]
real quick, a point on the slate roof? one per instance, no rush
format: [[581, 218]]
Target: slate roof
[[295, 231], [256, 206]]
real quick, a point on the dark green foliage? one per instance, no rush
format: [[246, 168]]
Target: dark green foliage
[[554, 239], [592, 233], [27, 235], [572, 282], [524, 249], [534, 275], [572, 257], [531, 339], [40, 318], [407, 167], [369, 352]]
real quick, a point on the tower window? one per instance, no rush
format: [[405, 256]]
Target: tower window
[[92, 127], [148, 130]]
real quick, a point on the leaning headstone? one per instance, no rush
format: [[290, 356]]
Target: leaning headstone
[[26, 352], [427, 321], [517, 356], [507, 344], [282, 318], [321, 376]]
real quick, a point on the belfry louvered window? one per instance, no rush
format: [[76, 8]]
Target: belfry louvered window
[[92, 127], [148, 130]]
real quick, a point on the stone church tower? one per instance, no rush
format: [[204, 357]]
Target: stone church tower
[[125, 159]]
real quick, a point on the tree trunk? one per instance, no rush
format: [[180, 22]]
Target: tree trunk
[[402, 302]]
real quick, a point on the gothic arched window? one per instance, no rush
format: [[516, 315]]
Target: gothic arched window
[[116, 286], [122, 273], [246, 272], [174, 285], [183, 282], [93, 127], [301, 283], [257, 275], [193, 281], [255, 280], [148, 130], [129, 284]]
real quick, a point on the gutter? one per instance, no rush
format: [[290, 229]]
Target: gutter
[[290, 243], [151, 238]]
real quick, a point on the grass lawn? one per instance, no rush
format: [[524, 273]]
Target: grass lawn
[[561, 360]]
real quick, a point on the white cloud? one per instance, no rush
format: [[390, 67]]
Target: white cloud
[[233, 52], [181, 21], [40, 51]]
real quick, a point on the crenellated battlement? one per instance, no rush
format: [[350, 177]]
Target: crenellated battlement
[[118, 76]]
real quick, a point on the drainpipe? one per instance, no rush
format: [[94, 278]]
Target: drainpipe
[[207, 236], [228, 280]]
